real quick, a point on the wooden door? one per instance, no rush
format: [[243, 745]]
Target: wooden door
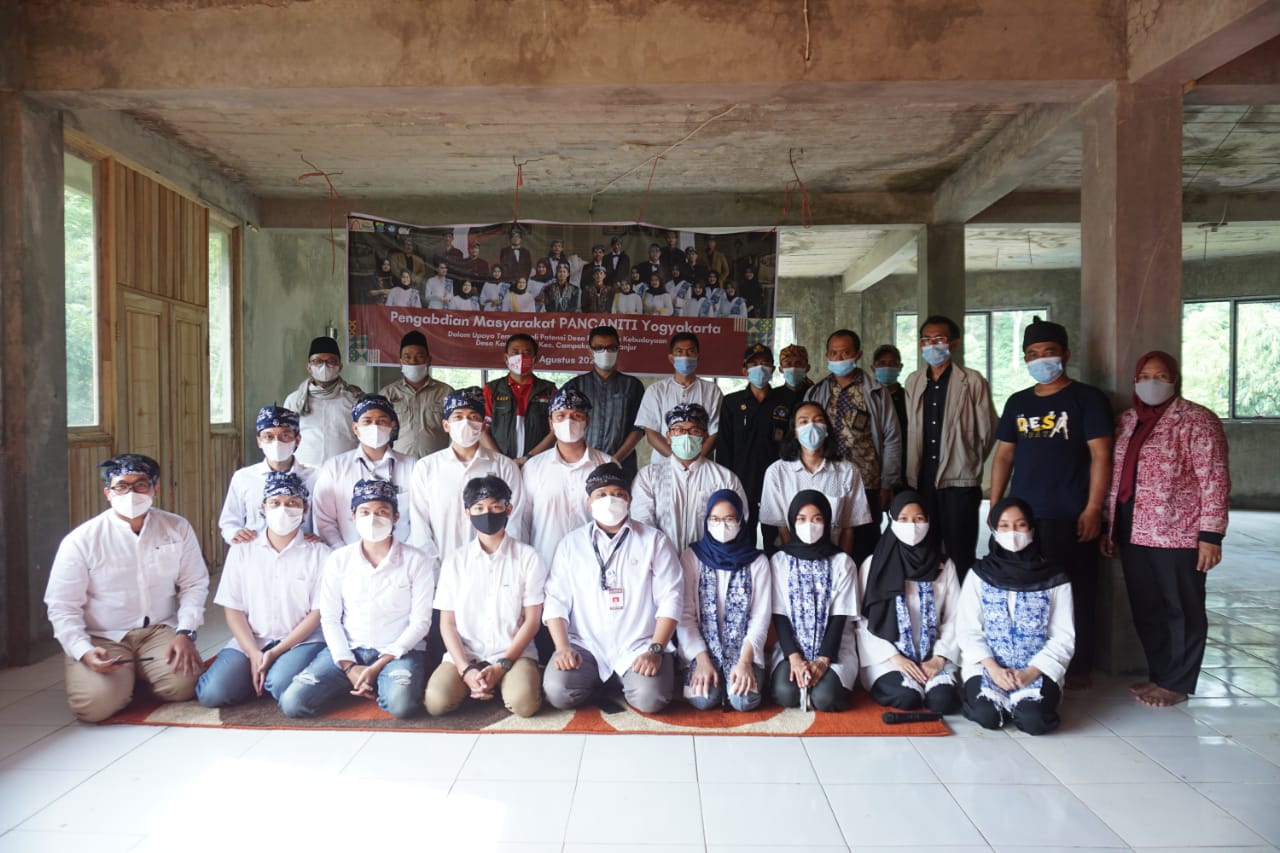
[[143, 379], [188, 419]]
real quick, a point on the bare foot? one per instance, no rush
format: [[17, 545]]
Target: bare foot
[[1142, 688], [1161, 698], [1079, 681]]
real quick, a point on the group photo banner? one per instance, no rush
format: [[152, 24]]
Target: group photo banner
[[468, 288]]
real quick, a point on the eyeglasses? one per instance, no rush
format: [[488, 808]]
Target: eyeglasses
[[142, 487], [936, 339], [698, 431], [609, 348], [330, 362]]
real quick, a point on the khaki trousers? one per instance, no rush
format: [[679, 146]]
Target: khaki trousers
[[95, 696], [520, 689]]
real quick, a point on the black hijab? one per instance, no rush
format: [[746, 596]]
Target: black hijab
[[1021, 571], [824, 547], [892, 564]]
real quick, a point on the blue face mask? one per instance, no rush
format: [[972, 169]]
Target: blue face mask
[[1045, 370], [936, 354], [843, 367], [686, 364], [759, 375], [887, 375], [793, 376], [686, 446], [811, 435]]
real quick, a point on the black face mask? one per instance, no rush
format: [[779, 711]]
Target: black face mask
[[489, 523]]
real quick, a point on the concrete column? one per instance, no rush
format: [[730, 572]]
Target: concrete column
[[33, 380], [1131, 275], [940, 274]]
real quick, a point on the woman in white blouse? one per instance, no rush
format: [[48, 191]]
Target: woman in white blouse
[[727, 606], [1015, 628], [907, 633]]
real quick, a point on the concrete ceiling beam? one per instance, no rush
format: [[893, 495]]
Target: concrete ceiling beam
[[1182, 42], [1057, 208], [1253, 78], [886, 257]]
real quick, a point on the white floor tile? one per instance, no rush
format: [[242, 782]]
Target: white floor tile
[[753, 759], [900, 813], [8, 697], [14, 738], [39, 676], [638, 758], [116, 802], [313, 751], [507, 811], [411, 755], [192, 748], [778, 848], [1128, 717], [1207, 759], [1092, 759], [1256, 806], [984, 762], [1055, 849], [1160, 815], [1236, 716], [25, 792], [926, 848], [514, 756], [1268, 746], [637, 848], [848, 760], [598, 812], [22, 841], [81, 747], [1032, 816], [1247, 848], [41, 708], [747, 815]]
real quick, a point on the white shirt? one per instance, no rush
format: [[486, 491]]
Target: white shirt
[[421, 412], [659, 303], [439, 520], [487, 594], [106, 581], [557, 495], [844, 602], [242, 508], [1060, 639], [437, 288], [325, 429], [839, 481], [385, 607], [521, 302], [331, 499], [665, 394], [679, 506], [403, 296], [275, 590], [759, 615], [647, 571], [874, 652]]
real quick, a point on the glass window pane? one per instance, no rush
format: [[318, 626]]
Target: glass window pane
[[784, 332], [221, 390], [81, 279], [975, 342], [1257, 354], [1008, 371], [906, 337], [458, 377], [1206, 378]]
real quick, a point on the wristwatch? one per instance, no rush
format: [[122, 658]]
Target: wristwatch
[[187, 632], [476, 664], [505, 663], [656, 648]]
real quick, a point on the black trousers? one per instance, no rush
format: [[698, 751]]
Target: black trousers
[[1058, 541], [865, 536], [827, 695], [1033, 716], [889, 690], [955, 518], [1166, 596]]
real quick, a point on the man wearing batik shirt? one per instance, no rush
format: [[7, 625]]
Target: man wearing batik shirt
[[125, 596], [278, 437]]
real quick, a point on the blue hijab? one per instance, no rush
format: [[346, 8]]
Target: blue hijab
[[725, 556]]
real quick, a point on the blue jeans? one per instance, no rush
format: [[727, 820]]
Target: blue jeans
[[715, 698], [229, 681], [401, 684]]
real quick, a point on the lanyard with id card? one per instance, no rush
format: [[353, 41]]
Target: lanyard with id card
[[615, 594]]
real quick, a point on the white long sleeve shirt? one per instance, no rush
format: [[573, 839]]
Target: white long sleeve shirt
[[331, 498], [692, 643], [386, 607], [1060, 639], [242, 509], [875, 652], [275, 590], [679, 507], [844, 602], [665, 394], [645, 583], [488, 593], [557, 494], [106, 581], [435, 505], [326, 428], [838, 481]]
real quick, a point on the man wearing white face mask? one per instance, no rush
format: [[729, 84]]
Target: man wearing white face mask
[[516, 404], [435, 508], [278, 436], [323, 402], [615, 400], [125, 596], [270, 590], [376, 425], [673, 497], [417, 398], [614, 599]]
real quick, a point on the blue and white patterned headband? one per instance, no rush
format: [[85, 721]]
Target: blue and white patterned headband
[[464, 398], [129, 463], [374, 490], [692, 413], [275, 416], [284, 483], [571, 399], [382, 404]]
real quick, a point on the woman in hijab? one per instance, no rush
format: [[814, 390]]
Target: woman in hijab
[[907, 635], [815, 596], [1015, 628], [1168, 514], [727, 605]]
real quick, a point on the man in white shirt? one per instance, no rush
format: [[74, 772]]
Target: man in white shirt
[[126, 595], [322, 402], [614, 598], [278, 437], [682, 388], [673, 497], [490, 603], [435, 507], [375, 611], [270, 590], [417, 399], [376, 425]]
